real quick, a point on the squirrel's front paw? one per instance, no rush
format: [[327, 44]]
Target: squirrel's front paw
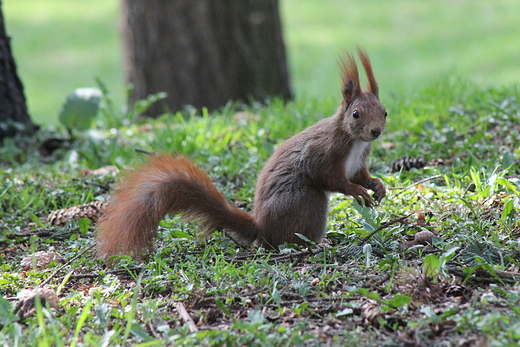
[[378, 188], [359, 192]]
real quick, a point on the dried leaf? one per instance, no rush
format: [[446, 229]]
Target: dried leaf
[[110, 170]]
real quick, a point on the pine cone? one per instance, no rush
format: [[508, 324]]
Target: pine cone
[[26, 307], [40, 260], [91, 211], [424, 237], [408, 163], [370, 311]]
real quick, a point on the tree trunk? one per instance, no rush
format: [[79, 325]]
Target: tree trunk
[[204, 52], [13, 108]]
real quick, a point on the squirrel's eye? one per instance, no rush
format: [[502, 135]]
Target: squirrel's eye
[[355, 114], [386, 114]]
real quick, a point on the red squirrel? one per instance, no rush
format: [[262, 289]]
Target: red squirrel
[[292, 190]]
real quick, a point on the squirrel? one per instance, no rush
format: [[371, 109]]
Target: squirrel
[[292, 190]]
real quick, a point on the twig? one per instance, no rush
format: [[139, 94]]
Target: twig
[[318, 301], [249, 255], [66, 264], [417, 183], [105, 187], [384, 225], [300, 254], [140, 150], [111, 272], [485, 276], [514, 276], [210, 301], [239, 244], [378, 282], [38, 232], [274, 256], [185, 316], [89, 275]]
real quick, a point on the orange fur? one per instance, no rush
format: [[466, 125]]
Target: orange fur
[[372, 84], [164, 185], [350, 72]]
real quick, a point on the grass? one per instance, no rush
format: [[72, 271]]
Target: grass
[[361, 289], [61, 45], [447, 73]]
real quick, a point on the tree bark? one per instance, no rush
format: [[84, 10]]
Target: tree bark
[[13, 107], [204, 52]]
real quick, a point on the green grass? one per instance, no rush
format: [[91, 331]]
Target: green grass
[[465, 288], [447, 73], [61, 45]]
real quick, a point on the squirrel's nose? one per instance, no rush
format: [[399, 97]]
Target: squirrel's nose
[[376, 133]]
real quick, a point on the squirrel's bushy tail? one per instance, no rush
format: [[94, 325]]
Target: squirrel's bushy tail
[[165, 185]]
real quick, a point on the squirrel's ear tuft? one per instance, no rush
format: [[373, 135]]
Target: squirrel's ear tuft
[[350, 78], [372, 83]]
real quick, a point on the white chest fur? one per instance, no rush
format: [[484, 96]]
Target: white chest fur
[[355, 158]]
